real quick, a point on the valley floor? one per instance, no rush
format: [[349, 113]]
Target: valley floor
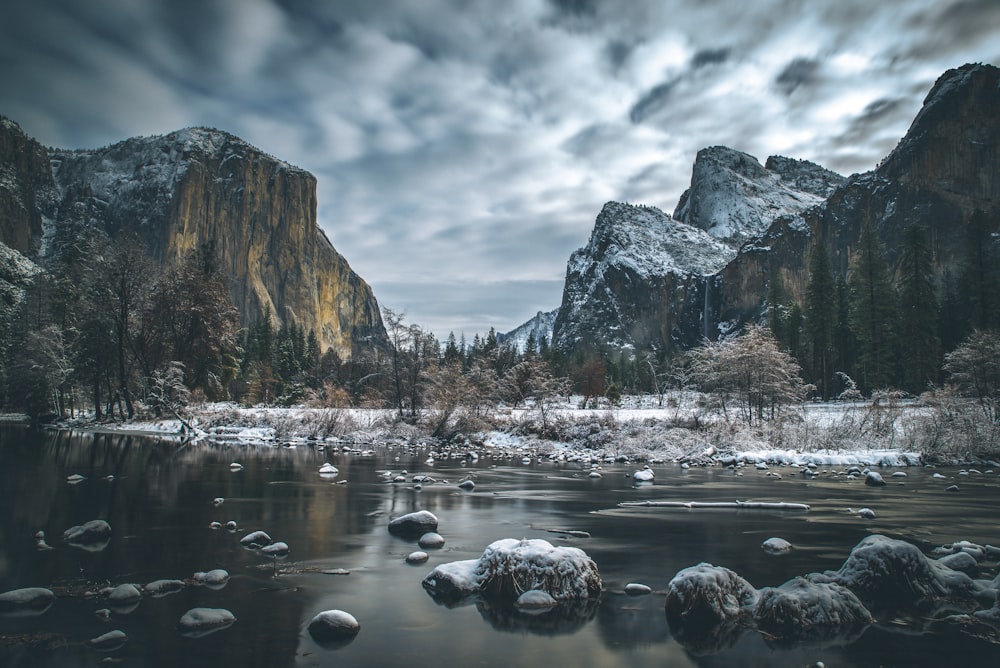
[[678, 427]]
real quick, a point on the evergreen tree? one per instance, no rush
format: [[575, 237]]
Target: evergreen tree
[[979, 282], [821, 317], [776, 309], [843, 337], [873, 311], [918, 312]]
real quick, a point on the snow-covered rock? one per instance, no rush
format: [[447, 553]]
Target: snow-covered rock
[[25, 602], [213, 579], [124, 595], [414, 524], [93, 535], [645, 474], [431, 539], [334, 627], [803, 610], [198, 622], [453, 581], [895, 574], [637, 589], [256, 540], [508, 566], [108, 642], [276, 550], [158, 588], [776, 546], [707, 595], [735, 198]]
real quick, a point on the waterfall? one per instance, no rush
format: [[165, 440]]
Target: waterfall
[[706, 313]]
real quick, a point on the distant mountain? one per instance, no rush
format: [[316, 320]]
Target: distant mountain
[[647, 280], [178, 191], [539, 326]]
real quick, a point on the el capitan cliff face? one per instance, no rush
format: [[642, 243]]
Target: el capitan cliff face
[[194, 186]]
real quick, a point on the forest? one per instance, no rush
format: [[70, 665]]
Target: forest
[[109, 333]]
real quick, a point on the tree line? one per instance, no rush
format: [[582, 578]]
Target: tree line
[[107, 330]]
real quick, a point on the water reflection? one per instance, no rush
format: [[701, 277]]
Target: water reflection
[[158, 502]]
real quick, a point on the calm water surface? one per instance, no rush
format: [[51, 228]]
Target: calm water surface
[[159, 505]]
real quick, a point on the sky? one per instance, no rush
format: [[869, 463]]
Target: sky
[[463, 149]]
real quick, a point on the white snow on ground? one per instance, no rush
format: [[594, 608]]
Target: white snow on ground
[[675, 427]]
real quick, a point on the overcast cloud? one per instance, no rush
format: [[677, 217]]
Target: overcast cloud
[[463, 149]]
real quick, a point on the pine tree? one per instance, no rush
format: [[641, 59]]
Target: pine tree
[[776, 312], [918, 312], [843, 337], [979, 283], [873, 311], [821, 316]]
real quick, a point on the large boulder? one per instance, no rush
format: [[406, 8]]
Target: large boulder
[[801, 610], [895, 574], [509, 567]]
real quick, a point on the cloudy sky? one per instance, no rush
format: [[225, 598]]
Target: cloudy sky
[[464, 148]]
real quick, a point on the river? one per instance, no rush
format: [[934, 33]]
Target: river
[[159, 497]]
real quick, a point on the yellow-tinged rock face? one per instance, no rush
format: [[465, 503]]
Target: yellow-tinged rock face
[[196, 186]]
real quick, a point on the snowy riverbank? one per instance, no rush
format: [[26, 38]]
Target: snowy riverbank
[[678, 428]]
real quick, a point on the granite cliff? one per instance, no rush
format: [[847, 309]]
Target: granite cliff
[[194, 186], [635, 287]]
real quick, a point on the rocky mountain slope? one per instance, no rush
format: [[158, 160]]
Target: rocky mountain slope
[[646, 280], [539, 326], [178, 191]]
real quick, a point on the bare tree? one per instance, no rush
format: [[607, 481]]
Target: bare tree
[[975, 368], [750, 375]]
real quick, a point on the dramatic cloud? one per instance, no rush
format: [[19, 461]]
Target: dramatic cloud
[[462, 149]]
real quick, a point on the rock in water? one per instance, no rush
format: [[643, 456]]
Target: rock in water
[[431, 539], [109, 642], [636, 589], [124, 594], [414, 525], [256, 539], [277, 550], [334, 628], [801, 610], [776, 546], [158, 588], [26, 602], [198, 622], [214, 579], [535, 599], [873, 479], [418, 557], [93, 535], [509, 566]]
